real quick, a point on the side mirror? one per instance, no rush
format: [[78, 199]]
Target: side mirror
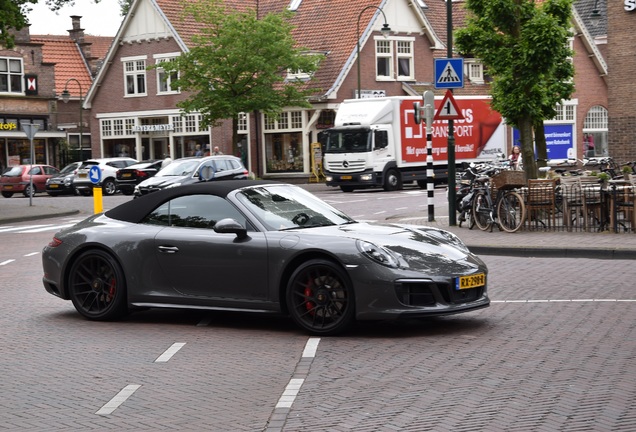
[[230, 226]]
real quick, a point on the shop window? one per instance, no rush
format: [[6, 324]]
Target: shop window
[[284, 152]]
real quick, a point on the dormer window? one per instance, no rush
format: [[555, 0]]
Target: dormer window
[[294, 5], [474, 70]]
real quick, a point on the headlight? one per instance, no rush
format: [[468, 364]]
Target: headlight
[[67, 181], [378, 254], [328, 178], [366, 177], [48, 180]]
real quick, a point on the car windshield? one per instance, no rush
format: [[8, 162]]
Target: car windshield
[[13, 171], [287, 207], [180, 168], [69, 168]]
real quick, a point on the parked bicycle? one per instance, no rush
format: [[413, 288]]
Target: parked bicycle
[[507, 210]]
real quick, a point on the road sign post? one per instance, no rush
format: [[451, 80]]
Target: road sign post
[[429, 110], [30, 129], [95, 176]]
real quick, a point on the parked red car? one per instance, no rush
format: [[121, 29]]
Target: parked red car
[[17, 179]]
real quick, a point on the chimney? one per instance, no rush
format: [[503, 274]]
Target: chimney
[[77, 32]]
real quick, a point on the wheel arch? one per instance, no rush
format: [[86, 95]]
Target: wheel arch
[[76, 253], [293, 265]]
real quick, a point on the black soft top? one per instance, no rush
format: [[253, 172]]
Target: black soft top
[[135, 210]]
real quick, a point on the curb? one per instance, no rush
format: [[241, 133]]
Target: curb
[[540, 252], [25, 218]]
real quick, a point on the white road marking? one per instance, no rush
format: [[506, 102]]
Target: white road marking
[[380, 212], [31, 254], [6, 262], [167, 354], [119, 399], [49, 228], [9, 229], [293, 387], [290, 393], [311, 347]]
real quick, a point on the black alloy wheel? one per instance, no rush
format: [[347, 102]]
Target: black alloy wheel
[[320, 298], [7, 194], [97, 286], [392, 181]]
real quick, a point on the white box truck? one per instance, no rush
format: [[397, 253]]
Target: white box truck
[[377, 143]]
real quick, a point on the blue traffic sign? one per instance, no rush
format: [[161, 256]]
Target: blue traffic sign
[[95, 174], [449, 73]]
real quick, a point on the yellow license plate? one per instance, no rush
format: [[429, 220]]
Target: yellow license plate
[[345, 177], [8, 187], [126, 175], [82, 175], [472, 281], [53, 186]]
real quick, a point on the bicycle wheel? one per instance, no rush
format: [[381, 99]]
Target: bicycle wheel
[[482, 212], [511, 211]]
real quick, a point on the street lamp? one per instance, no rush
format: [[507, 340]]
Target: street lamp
[[595, 16], [66, 95], [385, 32]]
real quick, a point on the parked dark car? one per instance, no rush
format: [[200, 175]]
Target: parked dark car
[[62, 183], [129, 177], [188, 170], [17, 179], [259, 246]]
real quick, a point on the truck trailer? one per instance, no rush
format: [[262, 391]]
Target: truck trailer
[[377, 143]]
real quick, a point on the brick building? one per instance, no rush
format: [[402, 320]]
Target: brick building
[[33, 76]]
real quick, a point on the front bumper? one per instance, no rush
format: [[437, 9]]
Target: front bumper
[[363, 179]]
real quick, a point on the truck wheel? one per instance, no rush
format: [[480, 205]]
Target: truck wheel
[[346, 188], [392, 180]]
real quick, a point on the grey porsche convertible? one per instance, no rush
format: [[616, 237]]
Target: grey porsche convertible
[[259, 246]]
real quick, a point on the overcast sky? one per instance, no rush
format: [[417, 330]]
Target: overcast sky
[[102, 19]]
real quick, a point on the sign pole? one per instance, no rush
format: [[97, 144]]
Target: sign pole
[[30, 129], [452, 217], [429, 110]]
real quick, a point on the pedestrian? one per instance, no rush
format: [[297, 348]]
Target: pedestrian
[[166, 161], [198, 152], [515, 158], [216, 151]]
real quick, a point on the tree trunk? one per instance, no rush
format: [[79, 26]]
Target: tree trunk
[[542, 147], [527, 147]]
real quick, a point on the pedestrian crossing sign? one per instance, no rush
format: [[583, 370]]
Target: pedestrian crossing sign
[[449, 73]]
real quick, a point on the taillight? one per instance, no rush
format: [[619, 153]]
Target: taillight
[[55, 242], [141, 174]]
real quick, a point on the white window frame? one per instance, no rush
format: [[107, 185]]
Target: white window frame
[[9, 74], [394, 56], [382, 42], [287, 121], [294, 5], [135, 67], [474, 70], [161, 74]]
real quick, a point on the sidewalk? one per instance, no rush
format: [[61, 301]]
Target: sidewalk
[[605, 245]]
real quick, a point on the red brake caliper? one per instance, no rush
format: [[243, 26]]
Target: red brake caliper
[[112, 289], [309, 305]]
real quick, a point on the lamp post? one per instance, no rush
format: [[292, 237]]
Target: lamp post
[[385, 32], [595, 16], [66, 95]]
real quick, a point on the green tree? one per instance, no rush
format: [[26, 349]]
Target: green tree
[[238, 64], [524, 47]]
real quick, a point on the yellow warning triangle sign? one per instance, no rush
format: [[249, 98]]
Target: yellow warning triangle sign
[[448, 109]]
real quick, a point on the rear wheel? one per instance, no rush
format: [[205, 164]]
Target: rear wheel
[[7, 194], [346, 188], [97, 286], [392, 180], [511, 212], [29, 192], [481, 211], [320, 298], [109, 187]]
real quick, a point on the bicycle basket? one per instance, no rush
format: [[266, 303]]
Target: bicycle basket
[[509, 179]]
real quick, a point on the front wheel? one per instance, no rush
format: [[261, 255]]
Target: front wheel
[[511, 212], [392, 180], [97, 286], [346, 188], [482, 211], [320, 298]]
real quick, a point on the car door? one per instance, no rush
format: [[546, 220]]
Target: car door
[[198, 262]]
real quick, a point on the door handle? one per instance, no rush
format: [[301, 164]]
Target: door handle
[[168, 249]]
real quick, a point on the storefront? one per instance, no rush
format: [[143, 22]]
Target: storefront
[[15, 147]]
